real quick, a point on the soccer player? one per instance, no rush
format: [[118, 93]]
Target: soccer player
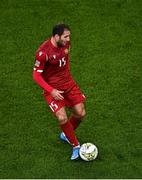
[[52, 73]]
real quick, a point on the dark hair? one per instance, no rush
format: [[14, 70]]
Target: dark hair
[[59, 29]]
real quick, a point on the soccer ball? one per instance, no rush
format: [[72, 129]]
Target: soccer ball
[[88, 152]]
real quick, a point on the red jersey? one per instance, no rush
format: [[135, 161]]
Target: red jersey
[[54, 65]]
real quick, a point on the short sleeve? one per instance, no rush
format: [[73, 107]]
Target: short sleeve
[[40, 61]]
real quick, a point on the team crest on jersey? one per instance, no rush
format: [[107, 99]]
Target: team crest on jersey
[[66, 51], [37, 63]]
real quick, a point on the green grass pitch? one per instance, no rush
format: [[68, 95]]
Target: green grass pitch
[[106, 62]]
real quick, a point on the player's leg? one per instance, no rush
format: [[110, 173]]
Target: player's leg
[[75, 99], [66, 126], [68, 130], [77, 115], [58, 109]]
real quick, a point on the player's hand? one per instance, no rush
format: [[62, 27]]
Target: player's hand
[[57, 94]]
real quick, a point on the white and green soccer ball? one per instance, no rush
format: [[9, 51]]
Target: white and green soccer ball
[[88, 152]]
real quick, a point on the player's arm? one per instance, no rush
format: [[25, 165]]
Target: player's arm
[[40, 81], [41, 59]]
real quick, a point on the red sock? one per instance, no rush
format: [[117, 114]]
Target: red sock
[[74, 121], [67, 128]]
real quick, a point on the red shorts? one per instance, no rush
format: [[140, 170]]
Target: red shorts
[[71, 98]]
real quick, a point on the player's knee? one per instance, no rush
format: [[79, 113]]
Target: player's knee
[[62, 119], [81, 113]]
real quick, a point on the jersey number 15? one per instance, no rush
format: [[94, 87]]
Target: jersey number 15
[[62, 62]]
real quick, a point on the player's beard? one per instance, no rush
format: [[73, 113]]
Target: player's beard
[[60, 43]]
